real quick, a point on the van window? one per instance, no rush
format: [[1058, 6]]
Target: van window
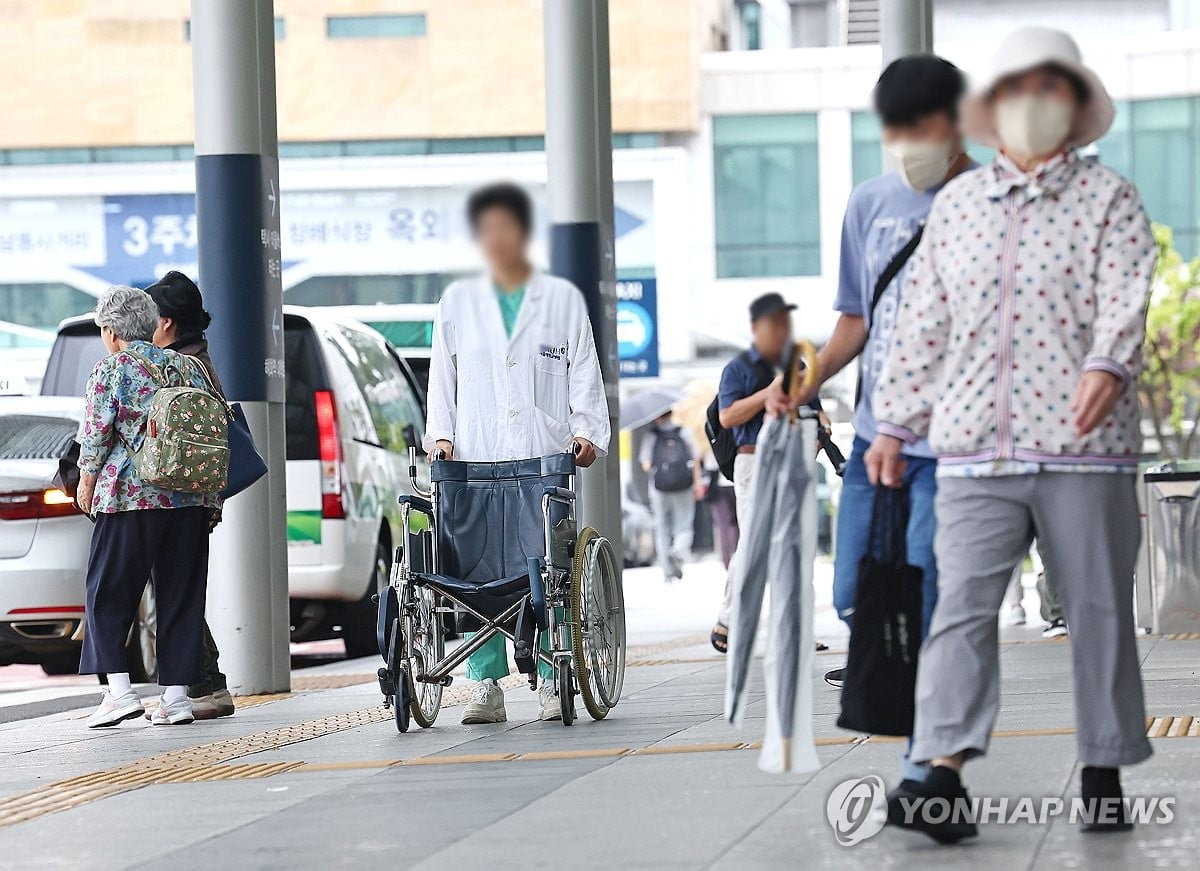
[[394, 411], [75, 354], [305, 376]]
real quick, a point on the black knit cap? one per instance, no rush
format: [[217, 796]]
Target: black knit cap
[[178, 298]]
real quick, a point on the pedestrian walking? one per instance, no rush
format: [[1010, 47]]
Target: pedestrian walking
[[1016, 351], [742, 398], [670, 457], [182, 321], [513, 375], [142, 531], [722, 504]]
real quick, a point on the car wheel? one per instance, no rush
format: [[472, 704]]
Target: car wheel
[[61, 663], [358, 626], [141, 649]]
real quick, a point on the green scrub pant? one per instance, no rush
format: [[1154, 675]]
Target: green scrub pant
[[491, 660]]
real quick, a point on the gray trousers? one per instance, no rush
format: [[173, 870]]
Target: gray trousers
[[1087, 525], [674, 522]]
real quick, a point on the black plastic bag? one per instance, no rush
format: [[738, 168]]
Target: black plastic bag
[[885, 636]]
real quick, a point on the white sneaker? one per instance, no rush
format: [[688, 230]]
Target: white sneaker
[[174, 713], [113, 710], [486, 705], [548, 706], [1056, 629], [1016, 616]]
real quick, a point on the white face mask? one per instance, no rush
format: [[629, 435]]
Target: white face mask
[[1032, 125], [923, 165]]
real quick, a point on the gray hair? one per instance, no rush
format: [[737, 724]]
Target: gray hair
[[131, 314]]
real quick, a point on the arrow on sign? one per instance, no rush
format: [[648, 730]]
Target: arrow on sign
[[271, 195]]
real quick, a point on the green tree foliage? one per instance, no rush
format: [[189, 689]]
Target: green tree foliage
[[1170, 384]]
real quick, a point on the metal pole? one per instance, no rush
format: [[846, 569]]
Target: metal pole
[[580, 197], [237, 214], [905, 26]]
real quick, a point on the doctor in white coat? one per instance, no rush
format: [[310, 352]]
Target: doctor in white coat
[[514, 374]]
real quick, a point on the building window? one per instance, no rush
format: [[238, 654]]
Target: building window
[[750, 12], [280, 29], [765, 177], [374, 26], [866, 148]]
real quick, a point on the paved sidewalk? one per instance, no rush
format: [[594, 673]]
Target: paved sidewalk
[[321, 778]]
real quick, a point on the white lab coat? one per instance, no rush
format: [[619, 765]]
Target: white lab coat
[[502, 398]]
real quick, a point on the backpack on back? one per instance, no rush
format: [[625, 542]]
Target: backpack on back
[[671, 461], [185, 447], [724, 445]]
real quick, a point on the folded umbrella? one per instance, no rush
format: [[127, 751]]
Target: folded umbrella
[[778, 545]]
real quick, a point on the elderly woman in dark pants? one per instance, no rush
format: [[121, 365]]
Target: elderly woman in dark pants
[[182, 321], [141, 531]]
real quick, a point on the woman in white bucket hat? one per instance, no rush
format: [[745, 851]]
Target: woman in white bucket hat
[[1016, 353]]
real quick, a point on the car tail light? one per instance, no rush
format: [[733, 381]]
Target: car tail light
[[330, 444], [34, 504]]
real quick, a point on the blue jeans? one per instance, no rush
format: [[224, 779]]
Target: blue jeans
[[854, 529]]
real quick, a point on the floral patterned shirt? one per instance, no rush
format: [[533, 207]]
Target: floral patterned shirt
[[1022, 282], [118, 397]]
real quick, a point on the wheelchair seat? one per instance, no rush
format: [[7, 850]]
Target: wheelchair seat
[[490, 519]]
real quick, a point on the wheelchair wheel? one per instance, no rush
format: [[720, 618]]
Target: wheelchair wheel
[[428, 647], [598, 610], [400, 700], [566, 693]]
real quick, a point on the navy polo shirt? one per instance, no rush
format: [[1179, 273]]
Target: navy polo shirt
[[741, 377]]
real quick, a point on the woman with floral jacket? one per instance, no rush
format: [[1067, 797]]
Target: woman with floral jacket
[[141, 531], [1016, 353]]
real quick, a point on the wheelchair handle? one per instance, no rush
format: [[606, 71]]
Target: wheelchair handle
[[412, 474]]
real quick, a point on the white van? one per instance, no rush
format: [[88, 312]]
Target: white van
[[353, 408]]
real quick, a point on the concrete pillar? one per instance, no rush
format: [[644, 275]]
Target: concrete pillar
[[905, 26], [237, 213], [580, 198]]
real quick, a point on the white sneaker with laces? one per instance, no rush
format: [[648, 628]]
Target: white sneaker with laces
[[1056, 629], [548, 706], [174, 713], [486, 705], [114, 709]]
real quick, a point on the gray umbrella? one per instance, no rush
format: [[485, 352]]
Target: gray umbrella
[[639, 409], [778, 545]]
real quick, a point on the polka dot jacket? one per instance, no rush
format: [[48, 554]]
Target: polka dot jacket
[[1022, 283]]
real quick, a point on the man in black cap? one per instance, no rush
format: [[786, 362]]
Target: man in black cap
[[745, 384]]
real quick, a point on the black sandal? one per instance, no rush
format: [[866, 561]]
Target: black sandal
[[720, 638]]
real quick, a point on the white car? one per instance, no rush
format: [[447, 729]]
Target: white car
[[352, 410], [43, 537]]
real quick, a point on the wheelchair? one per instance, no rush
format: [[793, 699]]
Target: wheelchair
[[497, 544]]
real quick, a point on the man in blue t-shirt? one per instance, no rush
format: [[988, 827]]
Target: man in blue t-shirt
[[916, 100]]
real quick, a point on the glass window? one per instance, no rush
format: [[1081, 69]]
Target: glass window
[[387, 146], [765, 175], [1163, 150], [134, 153], [35, 437], [42, 306], [371, 26], [751, 13], [471, 146], [384, 387], [866, 156], [310, 149], [26, 156]]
